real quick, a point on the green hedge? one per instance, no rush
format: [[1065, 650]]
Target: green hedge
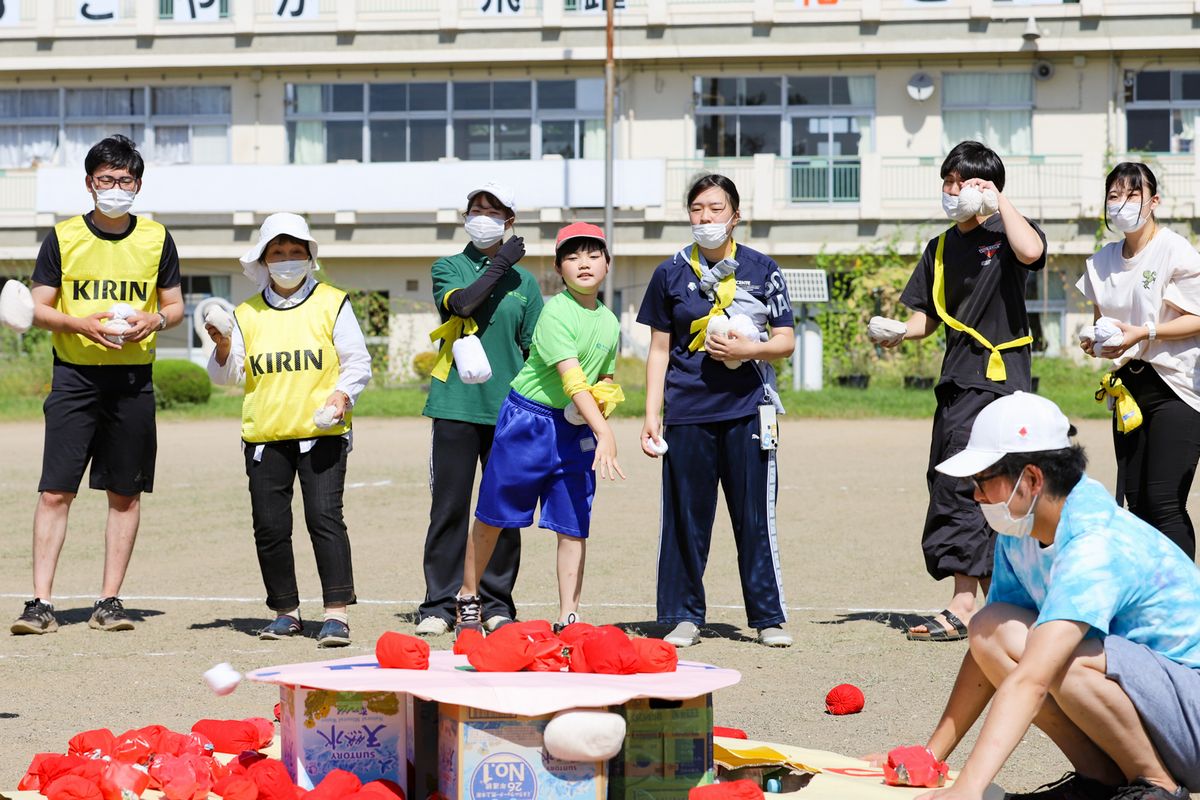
[[180, 383]]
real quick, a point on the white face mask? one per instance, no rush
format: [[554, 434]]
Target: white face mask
[[1127, 218], [114, 202], [289, 274], [952, 207], [484, 231], [1001, 520], [711, 235]]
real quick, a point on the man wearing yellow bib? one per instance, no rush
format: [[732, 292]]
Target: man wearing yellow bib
[[972, 278], [104, 285], [300, 351]]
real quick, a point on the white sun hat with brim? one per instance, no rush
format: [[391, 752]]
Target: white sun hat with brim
[[1017, 423], [497, 190], [293, 225]]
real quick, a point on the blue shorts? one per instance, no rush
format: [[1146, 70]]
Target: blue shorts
[[538, 456]]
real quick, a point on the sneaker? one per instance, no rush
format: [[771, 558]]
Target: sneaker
[[1142, 789], [496, 621], [685, 634], [285, 625], [774, 636], [1071, 786], [571, 619], [109, 615], [432, 626], [334, 633], [469, 614], [38, 617]]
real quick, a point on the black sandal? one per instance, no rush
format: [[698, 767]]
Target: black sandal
[[936, 632]]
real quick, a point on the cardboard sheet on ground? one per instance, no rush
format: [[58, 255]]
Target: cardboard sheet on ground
[[450, 679], [837, 777]]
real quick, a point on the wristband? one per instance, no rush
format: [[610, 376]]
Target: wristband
[[574, 381], [1151, 331]]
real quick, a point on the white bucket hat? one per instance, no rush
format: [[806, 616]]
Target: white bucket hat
[[293, 225], [1017, 423]]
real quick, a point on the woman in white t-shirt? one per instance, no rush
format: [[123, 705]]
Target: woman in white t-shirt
[[1149, 283]]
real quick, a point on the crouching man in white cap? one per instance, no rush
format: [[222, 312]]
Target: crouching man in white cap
[[300, 351], [1091, 629]]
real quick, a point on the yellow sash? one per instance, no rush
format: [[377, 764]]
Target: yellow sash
[[1129, 416], [608, 396], [995, 365], [724, 292], [449, 332]]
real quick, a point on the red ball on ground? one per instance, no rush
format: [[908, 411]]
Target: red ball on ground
[[845, 698]]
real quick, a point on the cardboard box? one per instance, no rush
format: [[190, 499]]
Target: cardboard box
[[489, 756], [365, 733], [668, 749]]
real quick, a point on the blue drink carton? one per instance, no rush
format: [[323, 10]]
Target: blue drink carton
[[365, 733], [483, 755]]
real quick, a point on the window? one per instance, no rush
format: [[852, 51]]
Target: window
[[1161, 111], [425, 121], [821, 123], [166, 8], [1046, 301], [995, 108], [171, 125]]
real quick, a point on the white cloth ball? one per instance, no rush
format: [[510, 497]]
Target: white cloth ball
[[324, 417], [471, 360], [882, 330], [584, 735], [16, 306], [220, 319], [222, 679], [115, 328]]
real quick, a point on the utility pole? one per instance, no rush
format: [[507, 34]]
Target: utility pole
[[610, 291]]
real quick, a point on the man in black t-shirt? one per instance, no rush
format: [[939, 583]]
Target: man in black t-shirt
[[104, 285], [972, 278]]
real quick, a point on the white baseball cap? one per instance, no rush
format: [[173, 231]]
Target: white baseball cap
[[499, 191], [293, 225], [1018, 423]]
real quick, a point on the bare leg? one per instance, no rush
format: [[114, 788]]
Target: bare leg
[[49, 533], [962, 604], [480, 546], [998, 639], [572, 553], [124, 515]]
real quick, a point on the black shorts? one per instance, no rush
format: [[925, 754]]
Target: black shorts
[[107, 421]]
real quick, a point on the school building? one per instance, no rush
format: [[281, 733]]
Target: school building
[[374, 117]]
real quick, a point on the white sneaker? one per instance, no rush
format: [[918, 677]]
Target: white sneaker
[[496, 621], [685, 634], [432, 626], [774, 637]]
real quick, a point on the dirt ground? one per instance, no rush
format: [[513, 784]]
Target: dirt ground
[[852, 497]]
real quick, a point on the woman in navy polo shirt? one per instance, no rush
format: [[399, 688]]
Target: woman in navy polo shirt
[[712, 412]]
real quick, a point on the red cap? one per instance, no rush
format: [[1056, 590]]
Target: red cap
[[579, 230]]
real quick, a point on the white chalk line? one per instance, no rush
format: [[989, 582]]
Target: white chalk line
[[127, 598]]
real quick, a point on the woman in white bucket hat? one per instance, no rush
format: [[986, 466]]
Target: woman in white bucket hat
[[300, 351]]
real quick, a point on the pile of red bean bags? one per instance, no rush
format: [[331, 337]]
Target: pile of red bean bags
[[534, 647], [99, 765]]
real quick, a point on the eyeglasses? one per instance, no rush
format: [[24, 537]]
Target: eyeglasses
[[108, 181], [979, 480]]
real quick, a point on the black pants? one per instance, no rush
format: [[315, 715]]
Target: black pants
[[1157, 460], [322, 472], [455, 449], [701, 456], [957, 539]]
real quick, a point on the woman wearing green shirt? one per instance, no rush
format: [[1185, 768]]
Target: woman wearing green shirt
[[481, 285]]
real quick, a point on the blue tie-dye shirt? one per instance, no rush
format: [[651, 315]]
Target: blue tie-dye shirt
[[1109, 569]]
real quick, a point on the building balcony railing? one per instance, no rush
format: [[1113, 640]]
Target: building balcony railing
[[51, 18], [866, 187]]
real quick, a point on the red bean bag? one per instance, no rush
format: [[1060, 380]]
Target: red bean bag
[[576, 631], [266, 730], [232, 736], [72, 787], [272, 780], [118, 777], [236, 787], [845, 698], [337, 784], [914, 766], [550, 655], [734, 790], [655, 655], [609, 652], [466, 642], [729, 733], [401, 651], [503, 651], [35, 776], [380, 790], [536, 629], [92, 743]]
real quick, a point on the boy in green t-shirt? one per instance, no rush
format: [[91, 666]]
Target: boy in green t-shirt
[[543, 452]]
